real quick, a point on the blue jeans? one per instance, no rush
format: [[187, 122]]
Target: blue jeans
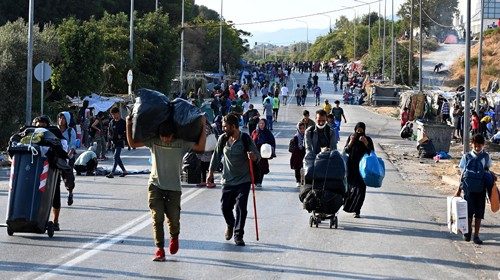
[[270, 122], [118, 160], [336, 127]]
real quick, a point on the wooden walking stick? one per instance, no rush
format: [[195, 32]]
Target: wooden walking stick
[[250, 164]]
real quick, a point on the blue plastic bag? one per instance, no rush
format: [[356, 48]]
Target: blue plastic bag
[[443, 155], [372, 169]]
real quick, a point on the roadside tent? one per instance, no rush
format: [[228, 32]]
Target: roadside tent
[[451, 39], [101, 103]]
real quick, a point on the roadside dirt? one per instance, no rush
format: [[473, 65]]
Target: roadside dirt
[[443, 175]]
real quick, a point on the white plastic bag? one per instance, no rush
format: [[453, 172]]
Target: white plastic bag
[[211, 143], [266, 151]]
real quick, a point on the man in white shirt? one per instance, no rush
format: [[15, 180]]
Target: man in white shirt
[[284, 94]]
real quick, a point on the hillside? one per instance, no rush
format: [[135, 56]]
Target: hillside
[[490, 67]]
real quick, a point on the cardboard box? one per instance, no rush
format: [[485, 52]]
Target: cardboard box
[[457, 215]]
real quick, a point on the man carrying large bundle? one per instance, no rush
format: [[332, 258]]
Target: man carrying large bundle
[[167, 150]]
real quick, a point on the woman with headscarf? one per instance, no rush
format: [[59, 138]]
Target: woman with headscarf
[[358, 144], [298, 151], [262, 135]]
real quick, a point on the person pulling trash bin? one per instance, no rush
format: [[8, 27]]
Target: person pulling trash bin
[[35, 153]]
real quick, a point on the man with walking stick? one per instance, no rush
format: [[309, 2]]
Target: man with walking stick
[[236, 150]]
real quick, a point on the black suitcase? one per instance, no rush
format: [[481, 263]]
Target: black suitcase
[[31, 192]]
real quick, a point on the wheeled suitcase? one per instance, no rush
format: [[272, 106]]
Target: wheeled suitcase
[[31, 192]]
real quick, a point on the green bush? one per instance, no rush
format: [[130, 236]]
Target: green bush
[[430, 44]]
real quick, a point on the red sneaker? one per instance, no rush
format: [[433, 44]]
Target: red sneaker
[[159, 255], [174, 245]]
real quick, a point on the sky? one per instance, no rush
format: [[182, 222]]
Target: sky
[[244, 11]]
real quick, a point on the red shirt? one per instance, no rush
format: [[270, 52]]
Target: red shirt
[[475, 122], [232, 94], [404, 117]]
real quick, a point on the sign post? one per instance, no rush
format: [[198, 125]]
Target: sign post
[[42, 74]]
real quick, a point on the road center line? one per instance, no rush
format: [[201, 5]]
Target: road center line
[[113, 236]]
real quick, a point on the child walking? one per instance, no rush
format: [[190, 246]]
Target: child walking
[[474, 167]]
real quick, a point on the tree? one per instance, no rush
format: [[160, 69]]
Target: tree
[[13, 44], [205, 13], [156, 51], [370, 18], [437, 15], [115, 31], [202, 45], [327, 47], [84, 10], [372, 61], [82, 55]]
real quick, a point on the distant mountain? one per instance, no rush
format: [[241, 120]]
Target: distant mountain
[[285, 36]]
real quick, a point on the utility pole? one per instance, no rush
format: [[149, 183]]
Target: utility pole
[[354, 38], [379, 24], [467, 81], [410, 56], [29, 69], [220, 39], [420, 42], [480, 59], [383, 41], [369, 27], [156, 5], [181, 74], [393, 48], [131, 47]]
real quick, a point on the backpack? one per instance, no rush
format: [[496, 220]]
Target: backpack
[[246, 144], [472, 179]]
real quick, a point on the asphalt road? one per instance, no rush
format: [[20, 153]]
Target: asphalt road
[[107, 232], [446, 54]]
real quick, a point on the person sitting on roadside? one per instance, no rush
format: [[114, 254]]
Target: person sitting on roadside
[[407, 131], [86, 162]]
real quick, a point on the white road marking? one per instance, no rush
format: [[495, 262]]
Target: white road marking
[[114, 236]]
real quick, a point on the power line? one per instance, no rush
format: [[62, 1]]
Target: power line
[[280, 19], [308, 15], [437, 23]]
